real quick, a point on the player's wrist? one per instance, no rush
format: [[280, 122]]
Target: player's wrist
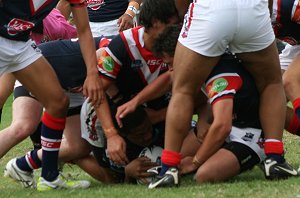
[[110, 132], [132, 9]]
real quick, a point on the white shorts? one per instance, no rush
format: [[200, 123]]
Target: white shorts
[[91, 129], [210, 26], [16, 55], [250, 137], [107, 28], [287, 55]]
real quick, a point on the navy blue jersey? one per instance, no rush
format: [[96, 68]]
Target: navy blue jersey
[[66, 59], [286, 20], [19, 17], [106, 10], [230, 80], [131, 66]]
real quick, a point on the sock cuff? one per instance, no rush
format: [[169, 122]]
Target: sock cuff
[[170, 158], [273, 148], [296, 104], [53, 123], [294, 125]]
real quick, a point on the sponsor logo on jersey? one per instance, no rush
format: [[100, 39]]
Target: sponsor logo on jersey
[[17, 25], [155, 63], [219, 85], [95, 4], [108, 64]]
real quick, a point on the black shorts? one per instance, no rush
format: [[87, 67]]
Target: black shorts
[[246, 156], [22, 92]]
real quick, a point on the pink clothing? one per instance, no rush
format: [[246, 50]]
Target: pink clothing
[[55, 27]]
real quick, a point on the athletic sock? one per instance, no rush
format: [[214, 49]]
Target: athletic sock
[[294, 125], [36, 137], [29, 162], [52, 130], [296, 105], [274, 149], [169, 159]]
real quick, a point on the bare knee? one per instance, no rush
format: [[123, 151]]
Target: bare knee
[[290, 84], [58, 107], [204, 175], [22, 129]]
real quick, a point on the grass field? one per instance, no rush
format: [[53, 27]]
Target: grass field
[[249, 184]]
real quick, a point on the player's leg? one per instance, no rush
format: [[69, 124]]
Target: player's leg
[[213, 169], [90, 165], [188, 77], [291, 81], [190, 144], [73, 146], [292, 123], [264, 67], [40, 79], [6, 87], [235, 157], [26, 116]]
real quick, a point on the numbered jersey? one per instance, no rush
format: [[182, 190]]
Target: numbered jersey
[[286, 20], [230, 80], [18, 17]]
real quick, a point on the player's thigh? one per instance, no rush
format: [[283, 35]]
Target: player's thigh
[[263, 65], [190, 69], [6, 87], [40, 79], [72, 130], [190, 144], [213, 169]]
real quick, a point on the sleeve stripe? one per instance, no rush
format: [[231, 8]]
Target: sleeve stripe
[[222, 94], [105, 73], [113, 56]]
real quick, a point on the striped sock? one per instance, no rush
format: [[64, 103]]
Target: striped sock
[[52, 130], [29, 162]]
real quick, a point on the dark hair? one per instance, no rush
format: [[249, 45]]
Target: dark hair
[[161, 10], [167, 40]]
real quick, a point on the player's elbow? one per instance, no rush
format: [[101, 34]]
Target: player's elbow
[[222, 130]]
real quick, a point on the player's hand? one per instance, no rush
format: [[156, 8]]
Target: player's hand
[[138, 168], [92, 89], [125, 22], [125, 109], [116, 150], [187, 165]]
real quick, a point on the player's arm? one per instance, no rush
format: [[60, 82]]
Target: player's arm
[[221, 89], [137, 169], [110, 61], [92, 87], [152, 91], [64, 7], [126, 20], [213, 140], [116, 146], [218, 131]]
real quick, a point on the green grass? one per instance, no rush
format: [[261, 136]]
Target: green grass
[[249, 184]]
